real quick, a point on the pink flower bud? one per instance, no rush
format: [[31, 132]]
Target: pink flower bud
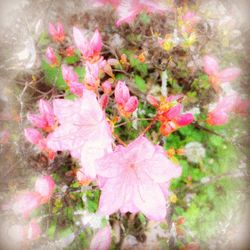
[[33, 135], [104, 101], [184, 120], [107, 87], [33, 231], [57, 32], [45, 186], [121, 93], [26, 203], [102, 239], [153, 101], [131, 105], [68, 74], [51, 57]]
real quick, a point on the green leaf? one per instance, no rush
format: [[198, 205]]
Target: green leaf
[[80, 71], [144, 18], [52, 229], [71, 59], [53, 76], [140, 83]]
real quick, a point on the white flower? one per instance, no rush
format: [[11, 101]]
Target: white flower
[[194, 151]]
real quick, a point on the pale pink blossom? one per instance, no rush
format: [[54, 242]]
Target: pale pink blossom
[[133, 178], [227, 105], [25, 203], [51, 57], [153, 101], [217, 76], [102, 239], [92, 79], [89, 49], [46, 118], [57, 31], [70, 51], [45, 186], [33, 231], [126, 103], [83, 130], [128, 10]]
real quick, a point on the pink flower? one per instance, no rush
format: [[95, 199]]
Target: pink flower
[[153, 101], [89, 49], [82, 178], [71, 79], [57, 32], [92, 79], [51, 57], [70, 51], [126, 103], [132, 179], [26, 203], [45, 186], [129, 9], [33, 231], [104, 101], [217, 77], [228, 104], [83, 130], [46, 118], [102, 239]]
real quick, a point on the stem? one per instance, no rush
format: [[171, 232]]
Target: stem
[[120, 140], [149, 126], [137, 119]]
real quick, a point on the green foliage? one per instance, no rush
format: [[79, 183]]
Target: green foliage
[[140, 83]]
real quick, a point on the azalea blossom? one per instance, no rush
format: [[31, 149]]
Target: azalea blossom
[[45, 186], [57, 32], [169, 113], [128, 10], [226, 105], [90, 49], [126, 104], [217, 76], [134, 178], [71, 79], [51, 57], [83, 130], [46, 118], [102, 239], [107, 87]]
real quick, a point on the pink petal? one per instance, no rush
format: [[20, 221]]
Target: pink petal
[[153, 101], [78, 38], [217, 118], [37, 120], [47, 112], [107, 87], [185, 119], [210, 65], [104, 99], [131, 105], [229, 74], [102, 239], [173, 112], [33, 135], [45, 186], [68, 74], [153, 208], [96, 42], [76, 88]]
